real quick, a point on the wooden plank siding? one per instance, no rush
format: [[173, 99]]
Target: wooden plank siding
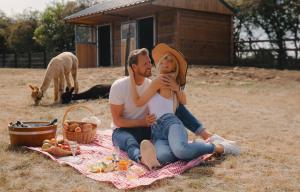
[[165, 27], [214, 6], [87, 55], [205, 38]]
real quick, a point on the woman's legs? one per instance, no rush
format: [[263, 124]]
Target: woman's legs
[[191, 123], [178, 141], [163, 152]]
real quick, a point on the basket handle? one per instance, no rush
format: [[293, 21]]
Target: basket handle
[[74, 108]]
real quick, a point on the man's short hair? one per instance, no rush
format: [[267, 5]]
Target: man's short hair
[[133, 55]]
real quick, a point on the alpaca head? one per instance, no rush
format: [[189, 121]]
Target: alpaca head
[[36, 94], [66, 97]]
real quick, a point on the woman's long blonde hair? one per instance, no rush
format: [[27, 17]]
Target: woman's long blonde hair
[[175, 103]]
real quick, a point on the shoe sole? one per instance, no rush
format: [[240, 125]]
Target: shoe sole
[[148, 154]]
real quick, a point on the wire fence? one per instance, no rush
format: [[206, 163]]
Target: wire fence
[[32, 59], [264, 53]]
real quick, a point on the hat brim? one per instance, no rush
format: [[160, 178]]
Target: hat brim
[[161, 50]]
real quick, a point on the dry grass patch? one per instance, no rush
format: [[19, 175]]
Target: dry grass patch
[[259, 108]]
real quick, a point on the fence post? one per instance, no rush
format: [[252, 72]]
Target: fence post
[[29, 59], [45, 59], [16, 60], [4, 59]]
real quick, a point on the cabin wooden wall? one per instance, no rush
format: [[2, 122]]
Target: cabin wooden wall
[[117, 43], [204, 38], [87, 55], [215, 6], [165, 27]]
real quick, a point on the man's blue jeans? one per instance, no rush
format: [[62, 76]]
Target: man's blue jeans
[[128, 139]]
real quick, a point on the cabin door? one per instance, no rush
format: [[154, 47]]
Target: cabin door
[[146, 33], [104, 46]]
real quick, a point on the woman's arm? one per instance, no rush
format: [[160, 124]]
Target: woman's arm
[[144, 98]]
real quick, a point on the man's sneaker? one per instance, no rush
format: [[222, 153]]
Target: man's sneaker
[[148, 154], [230, 148], [216, 139]]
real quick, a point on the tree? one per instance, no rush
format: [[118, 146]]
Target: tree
[[278, 18], [53, 33], [4, 23], [21, 32]]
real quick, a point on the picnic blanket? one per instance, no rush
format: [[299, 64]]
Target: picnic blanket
[[102, 147]]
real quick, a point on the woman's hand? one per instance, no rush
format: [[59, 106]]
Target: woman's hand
[[170, 82]]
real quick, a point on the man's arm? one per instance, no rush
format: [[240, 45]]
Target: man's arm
[[120, 121]]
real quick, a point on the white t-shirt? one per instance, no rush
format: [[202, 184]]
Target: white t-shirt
[[120, 94]]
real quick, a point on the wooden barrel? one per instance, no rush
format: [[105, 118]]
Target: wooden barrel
[[31, 136]]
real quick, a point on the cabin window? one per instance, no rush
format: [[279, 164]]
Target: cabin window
[[128, 29], [85, 34]]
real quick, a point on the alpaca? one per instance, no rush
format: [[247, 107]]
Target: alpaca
[[59, 69], [101, 90]]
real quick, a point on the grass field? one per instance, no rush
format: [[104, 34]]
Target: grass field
[[259, 108]]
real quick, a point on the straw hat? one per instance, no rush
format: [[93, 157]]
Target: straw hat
[[161, 50]]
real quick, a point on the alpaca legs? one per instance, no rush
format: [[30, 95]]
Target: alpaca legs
[[74, 75], [67, 77], [56, 82], [61, 85]]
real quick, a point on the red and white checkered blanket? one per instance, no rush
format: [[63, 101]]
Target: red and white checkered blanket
[[101, 148]]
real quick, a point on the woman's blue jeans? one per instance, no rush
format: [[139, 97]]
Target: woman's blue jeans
[[128, 139], [171, 141]]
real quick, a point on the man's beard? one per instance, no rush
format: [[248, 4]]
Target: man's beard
[[146, 73]]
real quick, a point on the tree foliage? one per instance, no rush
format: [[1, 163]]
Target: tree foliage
[[4, 23], [53, 33], [279, 19], [21, 32]]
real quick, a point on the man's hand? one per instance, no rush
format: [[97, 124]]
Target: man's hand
[[130, 71], [150, 119], [170, 82]]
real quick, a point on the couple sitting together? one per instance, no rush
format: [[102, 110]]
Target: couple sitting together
[[149, 116]]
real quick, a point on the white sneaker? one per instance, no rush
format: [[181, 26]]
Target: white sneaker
[[216, 139], [148, 155], [230, 148]]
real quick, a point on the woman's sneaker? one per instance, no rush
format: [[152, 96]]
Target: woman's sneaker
[[216, 139], [230, 148], [148, 154]]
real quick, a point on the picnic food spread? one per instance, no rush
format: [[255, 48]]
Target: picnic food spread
[[127, 166], [58, 148]]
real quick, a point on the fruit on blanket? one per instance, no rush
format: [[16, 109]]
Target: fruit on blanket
[[98, 168], [46, 146], [66, 147], [53, 141], [77, 129], [46, 141]]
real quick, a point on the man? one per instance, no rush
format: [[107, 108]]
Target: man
[[131, 124]]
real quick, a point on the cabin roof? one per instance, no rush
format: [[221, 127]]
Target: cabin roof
[[109, 5], [106, 5]]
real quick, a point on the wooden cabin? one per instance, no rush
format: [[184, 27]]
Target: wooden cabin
[[201, 29]]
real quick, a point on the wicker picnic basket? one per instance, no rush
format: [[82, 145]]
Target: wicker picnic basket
[[83, 136]]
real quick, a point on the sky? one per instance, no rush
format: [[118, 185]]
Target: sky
[[13, 7]]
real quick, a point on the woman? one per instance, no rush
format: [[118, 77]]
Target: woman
[[168, 132]]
